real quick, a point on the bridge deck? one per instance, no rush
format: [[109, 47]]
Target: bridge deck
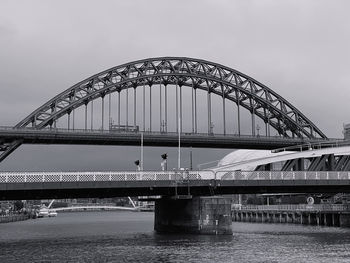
[[98, 137], [197, 183]]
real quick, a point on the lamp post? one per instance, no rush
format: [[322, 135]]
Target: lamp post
[[137, 163], [163, 164], [258, 129]]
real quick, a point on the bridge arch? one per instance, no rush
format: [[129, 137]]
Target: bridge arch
[[213, 78], [208, 77]]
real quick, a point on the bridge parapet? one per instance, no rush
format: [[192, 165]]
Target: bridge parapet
[[282, 175], [43, 177]]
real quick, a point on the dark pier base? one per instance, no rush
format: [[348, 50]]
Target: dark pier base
[[197, 215]]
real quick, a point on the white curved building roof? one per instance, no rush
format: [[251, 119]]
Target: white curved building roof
[[249, 160], [243, 155]]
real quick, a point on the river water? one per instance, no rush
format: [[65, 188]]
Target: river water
[[129, 237]]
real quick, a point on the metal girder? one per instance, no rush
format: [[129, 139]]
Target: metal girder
[[346, 166], [195, 73], [205, 75], [323, 163], [6, 150], [290, 165], [341, 163]]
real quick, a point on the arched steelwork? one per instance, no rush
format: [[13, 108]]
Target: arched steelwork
[[211, 77], [208, 76]]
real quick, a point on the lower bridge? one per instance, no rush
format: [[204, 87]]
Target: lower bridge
[[93, 208], [45, 185], [190, 199]]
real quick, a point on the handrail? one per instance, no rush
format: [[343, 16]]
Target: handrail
[[178, 175], [294, 207], [283, 175], [48, 177]]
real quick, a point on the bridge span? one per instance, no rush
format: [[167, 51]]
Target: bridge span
[[198, 99], [189, 202], [56, 185], [169, 139]]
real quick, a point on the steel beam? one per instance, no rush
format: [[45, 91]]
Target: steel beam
[[92, 115], [180, 108], [118, 108], [86, 109], [177, 110], [135, 108], [109, 109], [127, 108], [223, 111], [103, 111], [166, 107], [144, 109], [195, 111], [150, 108], [160, 107]]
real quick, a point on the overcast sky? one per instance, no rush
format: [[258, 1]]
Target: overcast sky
[[300, 49]]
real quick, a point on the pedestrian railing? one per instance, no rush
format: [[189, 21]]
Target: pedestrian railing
[[296, 207], [180, 175], [31, 177], [282, 175]]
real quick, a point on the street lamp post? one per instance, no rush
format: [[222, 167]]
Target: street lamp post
[[164, 162], [137, 163]]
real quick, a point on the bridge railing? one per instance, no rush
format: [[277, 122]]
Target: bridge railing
[[295, 207], [44, 177], [282, 175]]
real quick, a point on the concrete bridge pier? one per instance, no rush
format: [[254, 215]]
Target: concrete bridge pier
[[344, 219], [194, 215]]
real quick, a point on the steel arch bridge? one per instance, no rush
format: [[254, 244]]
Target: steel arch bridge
[[176, 72]]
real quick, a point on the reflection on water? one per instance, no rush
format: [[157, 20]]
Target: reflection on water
[[129, 237]]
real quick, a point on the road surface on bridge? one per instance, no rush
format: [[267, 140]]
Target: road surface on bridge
[[98, 137]]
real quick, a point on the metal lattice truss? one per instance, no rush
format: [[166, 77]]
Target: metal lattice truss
[[227, 83], [198, 74]]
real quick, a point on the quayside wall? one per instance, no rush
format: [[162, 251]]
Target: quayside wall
[[321, 215]]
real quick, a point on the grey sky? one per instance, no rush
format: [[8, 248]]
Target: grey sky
[[300, 49]]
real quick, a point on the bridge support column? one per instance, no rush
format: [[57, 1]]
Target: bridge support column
[[344, 219], [198, 215]]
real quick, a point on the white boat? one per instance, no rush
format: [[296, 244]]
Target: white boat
[[43, 212], [46, 212], [52, 213]]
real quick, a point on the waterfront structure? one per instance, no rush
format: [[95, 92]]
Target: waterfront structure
[[323, 157], [185, 188], [191, 192], [305, 214], [346, 131]]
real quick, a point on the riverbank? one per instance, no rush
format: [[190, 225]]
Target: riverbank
[[335, 215], [14, 218]]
